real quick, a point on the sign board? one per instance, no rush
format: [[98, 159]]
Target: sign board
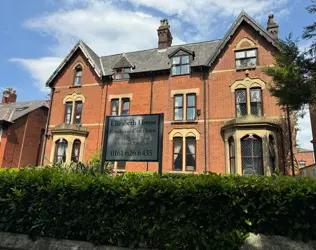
[[133, 138]]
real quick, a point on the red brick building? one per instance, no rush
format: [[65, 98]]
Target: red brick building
[[219, 115], [305, 157], [22, 129]]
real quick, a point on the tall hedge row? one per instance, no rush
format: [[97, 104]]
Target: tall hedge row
[[173, 212]]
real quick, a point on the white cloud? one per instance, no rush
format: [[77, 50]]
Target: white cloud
[[40, 69], [116, 26]]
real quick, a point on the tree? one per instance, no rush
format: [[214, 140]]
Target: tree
[[291, 82], [310, 30]]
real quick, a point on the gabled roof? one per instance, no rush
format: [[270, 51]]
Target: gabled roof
[[243, 17], [205, 53], [157, 60], [304, 150], [91, 56], [180, 49], [13, 111], [123, 63]]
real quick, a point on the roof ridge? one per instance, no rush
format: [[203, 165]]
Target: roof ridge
[[137, 51]]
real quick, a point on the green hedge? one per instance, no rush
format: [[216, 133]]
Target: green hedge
[[175, 212]]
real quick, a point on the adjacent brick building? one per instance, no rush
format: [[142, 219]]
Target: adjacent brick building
[[219, 115], [22, 129]]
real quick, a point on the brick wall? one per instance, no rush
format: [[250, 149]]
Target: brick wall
[[220, 103], [20, 142]]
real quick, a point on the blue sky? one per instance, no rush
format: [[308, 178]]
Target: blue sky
[[37, 34]]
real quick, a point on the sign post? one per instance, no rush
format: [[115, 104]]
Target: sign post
[[134, 138]]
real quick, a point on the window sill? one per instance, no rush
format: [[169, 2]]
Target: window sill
[[182, 172], [181, 74], [245, 68], [121, 80], [185, 122], [74, 87]]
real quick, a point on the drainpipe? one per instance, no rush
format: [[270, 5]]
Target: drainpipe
[[204, 74], [102, 142], [151, 98], [47, 125]]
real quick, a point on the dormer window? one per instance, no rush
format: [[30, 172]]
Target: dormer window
[[121, 73], [180, 65], [78, 75]]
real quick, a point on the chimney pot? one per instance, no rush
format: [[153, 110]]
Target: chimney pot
[[164, 35], [9, 95], [272, 27]]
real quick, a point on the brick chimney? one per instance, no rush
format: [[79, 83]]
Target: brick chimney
[[8, 96], [272, 27], [164, 35]]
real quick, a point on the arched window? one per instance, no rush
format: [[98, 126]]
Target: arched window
[[272, 156], [78, 75], [256, 101], [231, 143], [251, 152], [75, 151], [60, 150]]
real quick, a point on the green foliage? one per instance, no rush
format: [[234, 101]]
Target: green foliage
[[290, 75], [310, 30], [174, 212]]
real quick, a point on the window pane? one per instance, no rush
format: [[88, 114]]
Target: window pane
[[251, 53], [60, 152], [241, 109], [174, 70], [240, 54], [241, 96], [115, 106], [251, 148], [191, 113], [118, 76], [255, 95], [125, 106], [185, 69], [191, 101], [176, 60], [78, 112], [177, 153], [185, 60], [126, 76], [177, 142], [75, 151], [68, 112], [256, 102], [252, 62], [178, 102], [178, 114], [190, 154], [178, 70], [127, 70]]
